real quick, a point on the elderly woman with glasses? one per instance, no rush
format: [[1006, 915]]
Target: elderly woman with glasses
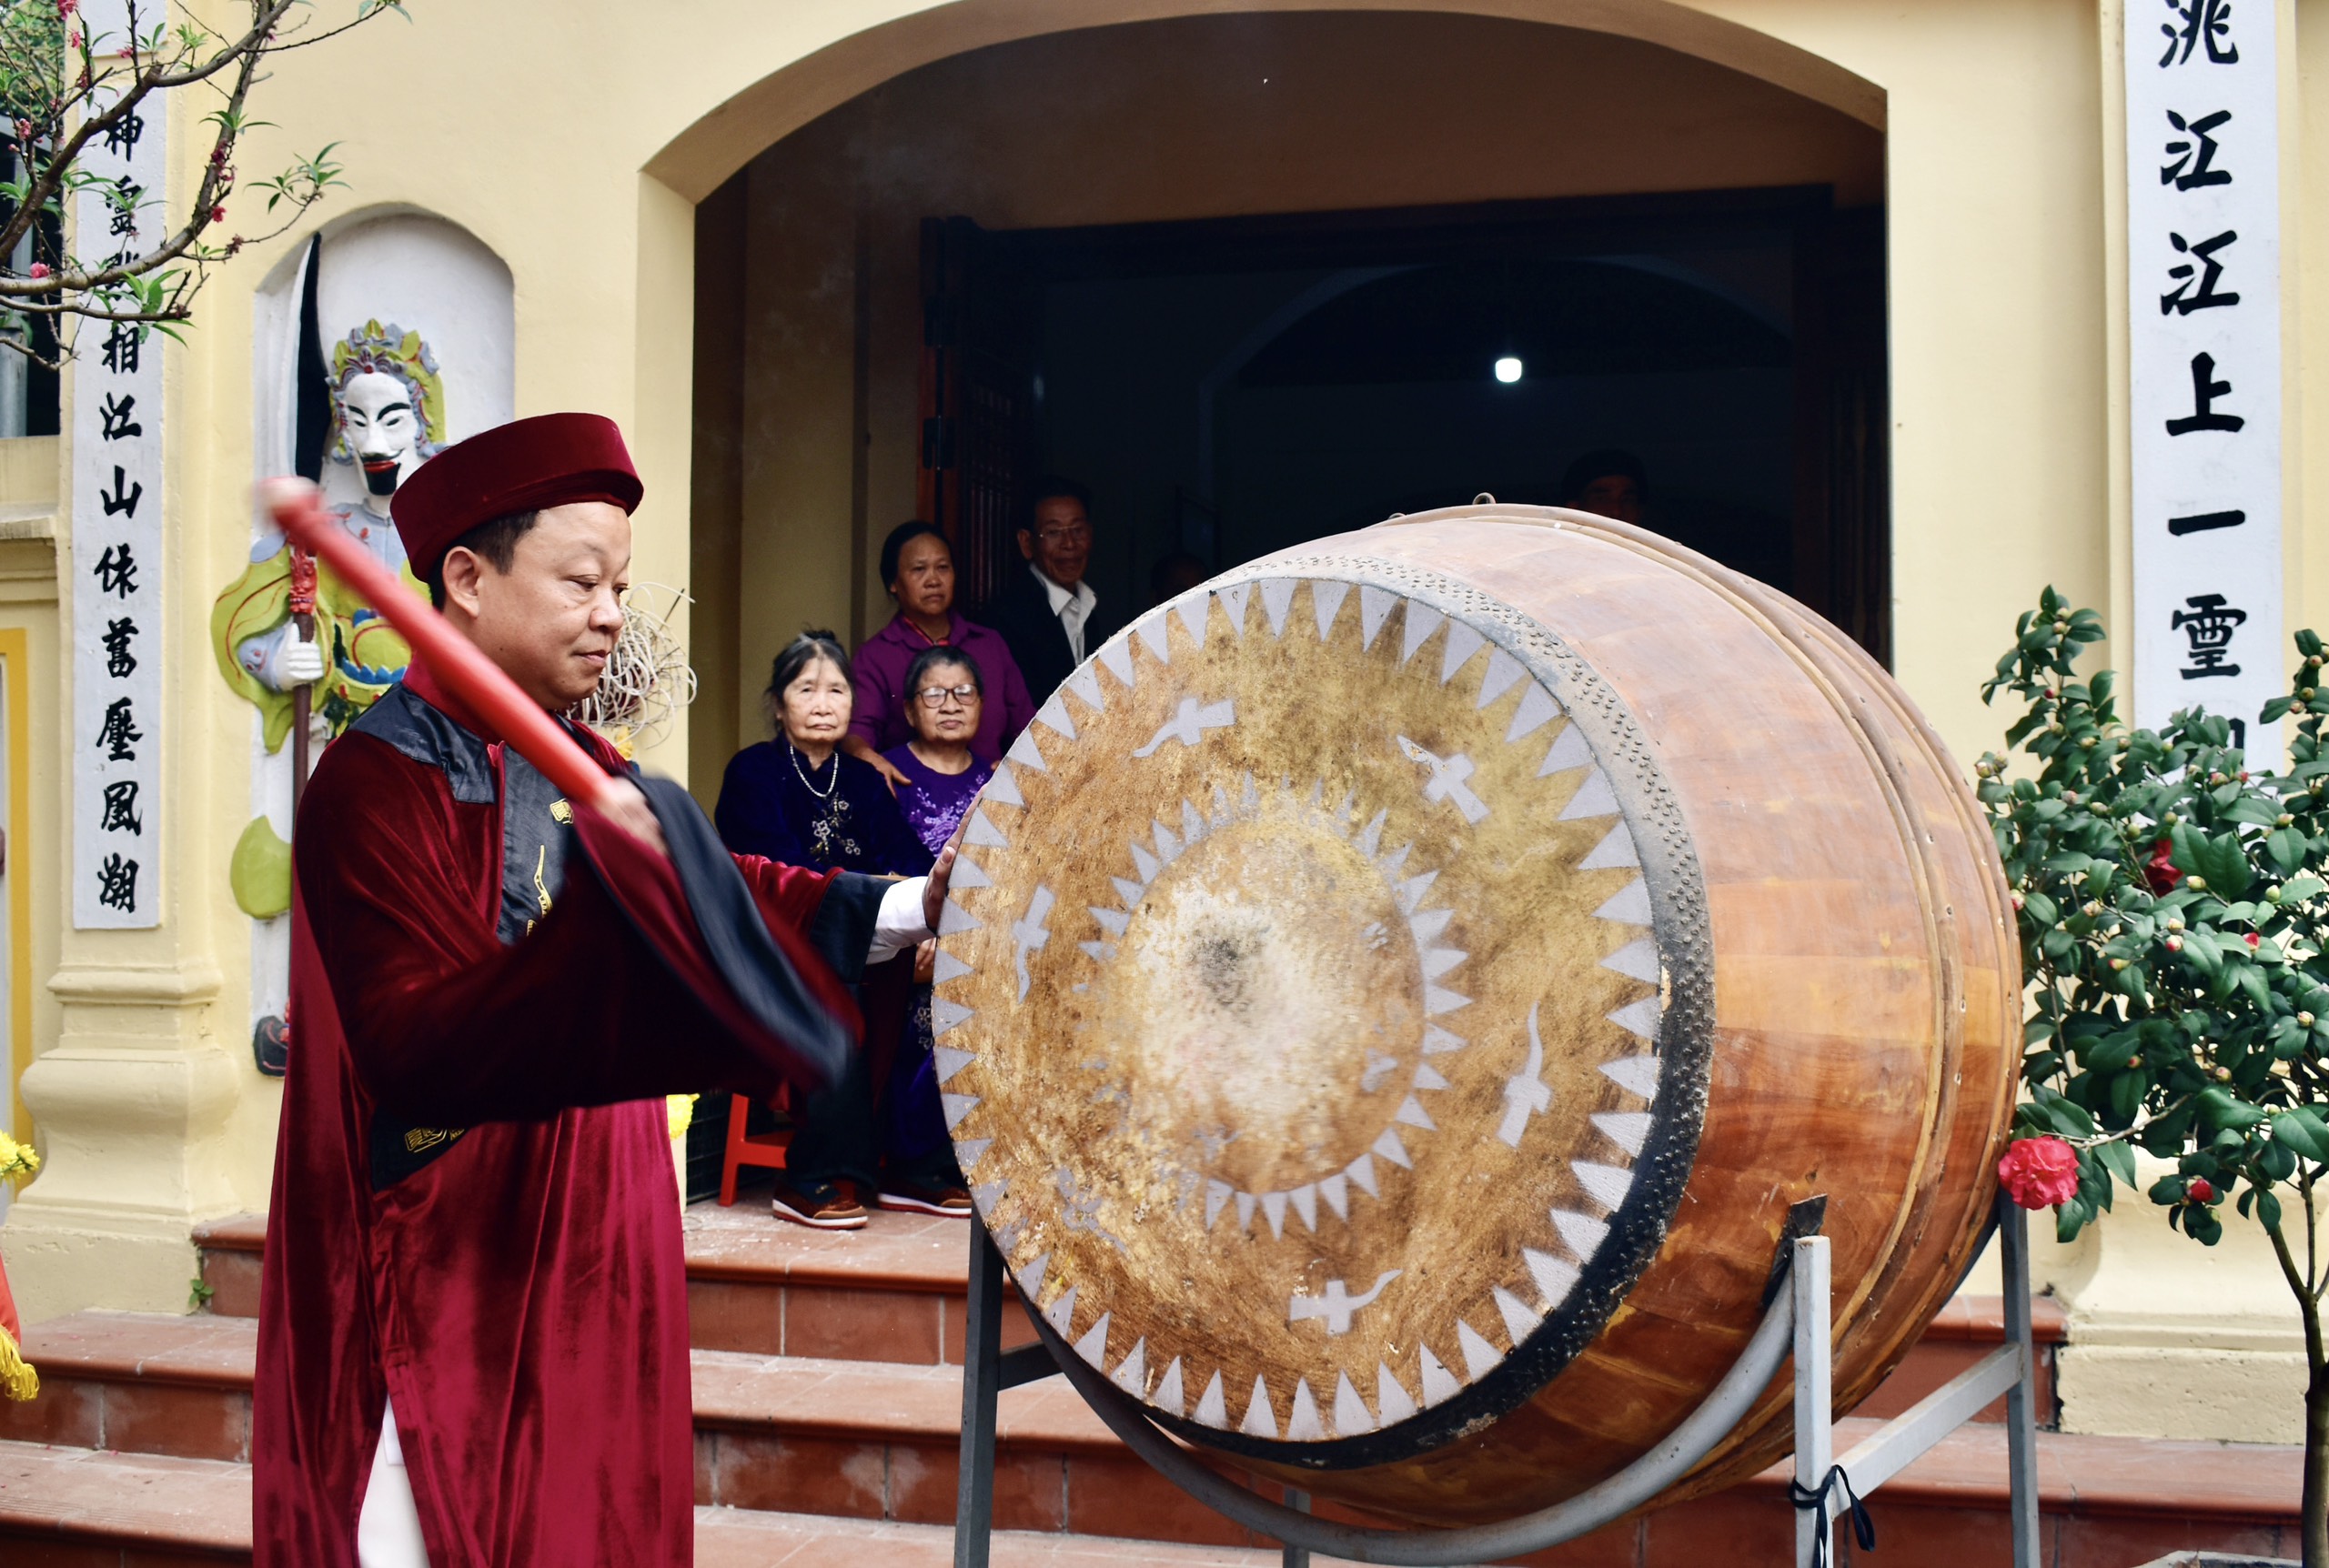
[[943, 775], [945, 699]]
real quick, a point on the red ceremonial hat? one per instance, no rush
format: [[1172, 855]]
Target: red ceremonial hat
[[549, 460]]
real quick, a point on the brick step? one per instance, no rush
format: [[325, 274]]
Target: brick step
[[878, 1442], [156, 1383], [801, 1434], [2109, 1502], [78, 1508], [895, 1290], [892, 1292]]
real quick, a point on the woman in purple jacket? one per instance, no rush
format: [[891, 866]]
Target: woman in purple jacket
[[918, 567]]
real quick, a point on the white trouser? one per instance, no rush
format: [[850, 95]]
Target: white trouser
[[387, 1532]]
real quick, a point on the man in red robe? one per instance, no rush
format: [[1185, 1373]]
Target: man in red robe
[[473, 1343]]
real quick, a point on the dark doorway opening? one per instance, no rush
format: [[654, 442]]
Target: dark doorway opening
[[1228, 387]]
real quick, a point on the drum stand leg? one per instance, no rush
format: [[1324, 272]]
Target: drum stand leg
[[1815, 1449], [987, 1371], [2021, 1417], [1297, 1556], [981, 1379], [1825, 1485]]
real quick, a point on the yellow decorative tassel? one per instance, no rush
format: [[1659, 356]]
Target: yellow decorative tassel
[[18, 1379]]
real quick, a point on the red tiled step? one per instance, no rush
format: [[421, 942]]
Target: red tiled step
[[64, 1508], [1966, 1329], [879, 1440], [738, 1538], [867, 1439], [228, 1254], [73, 1506], [892, 1292], [140, 1382], [2105, 1508]]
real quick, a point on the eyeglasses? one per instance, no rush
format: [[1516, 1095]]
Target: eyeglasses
[[936, 696], [1077, 532]]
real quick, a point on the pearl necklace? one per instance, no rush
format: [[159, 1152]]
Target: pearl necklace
[[827, 792]]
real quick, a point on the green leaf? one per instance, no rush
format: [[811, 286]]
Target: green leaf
[[2068, 1116], [2296, 889], [2119, 1159], [2268, 1208], [2200, 949], [2286, 846], [2219, 1110], [2225, 864], [2251, 984], [2301, 1130]]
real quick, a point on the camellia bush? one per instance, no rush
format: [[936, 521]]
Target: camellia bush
[[2174, 920]]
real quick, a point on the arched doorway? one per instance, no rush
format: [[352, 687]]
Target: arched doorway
[[1242, 272]]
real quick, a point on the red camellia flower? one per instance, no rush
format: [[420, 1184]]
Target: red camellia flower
[[2160, 870], [2201, 1189], [2252, 938], [2039, 1172]]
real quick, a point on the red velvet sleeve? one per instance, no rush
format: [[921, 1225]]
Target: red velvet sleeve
[[788, 895], [447, 1026]]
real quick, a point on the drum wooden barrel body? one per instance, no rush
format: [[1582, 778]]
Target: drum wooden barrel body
[[1393, 995]]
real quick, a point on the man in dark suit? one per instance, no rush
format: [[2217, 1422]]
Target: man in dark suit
[[1048, 615]]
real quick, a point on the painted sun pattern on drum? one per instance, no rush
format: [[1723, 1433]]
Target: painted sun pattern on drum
[[1298, 1010]]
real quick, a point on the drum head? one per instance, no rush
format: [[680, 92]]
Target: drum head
[[1322, 1009]]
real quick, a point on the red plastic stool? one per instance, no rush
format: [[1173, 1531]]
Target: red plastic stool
[[768, 1151]]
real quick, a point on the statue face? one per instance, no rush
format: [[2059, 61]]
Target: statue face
[[383, 429]]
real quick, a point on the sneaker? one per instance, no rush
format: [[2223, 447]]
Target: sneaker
[[944, 1200], [821, 1205]]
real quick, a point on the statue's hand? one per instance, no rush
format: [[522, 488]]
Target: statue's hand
[[303, 662]]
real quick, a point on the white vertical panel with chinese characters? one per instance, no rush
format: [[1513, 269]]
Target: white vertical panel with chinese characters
[[2203, 280], [117, 548]]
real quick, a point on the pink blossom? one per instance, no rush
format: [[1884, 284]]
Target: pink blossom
[[39, 269], [2039, 1172]]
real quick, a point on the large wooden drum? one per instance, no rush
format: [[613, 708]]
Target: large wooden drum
[[1393, 995]]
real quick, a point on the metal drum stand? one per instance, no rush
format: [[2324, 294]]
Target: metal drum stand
[[1796, 1322]]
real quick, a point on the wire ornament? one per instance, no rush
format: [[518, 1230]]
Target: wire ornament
[[648, 679]]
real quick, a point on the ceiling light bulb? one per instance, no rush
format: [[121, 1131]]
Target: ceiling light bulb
[[1507, 368]]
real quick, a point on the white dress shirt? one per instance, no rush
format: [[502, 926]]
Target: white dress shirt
[[1072, 605], [899, 924]]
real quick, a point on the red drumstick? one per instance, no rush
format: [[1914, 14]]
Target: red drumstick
[[297, 507]]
